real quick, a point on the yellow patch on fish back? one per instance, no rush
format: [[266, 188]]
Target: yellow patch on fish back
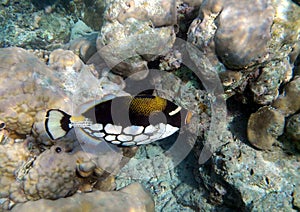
[[145, 105], [74, 119]]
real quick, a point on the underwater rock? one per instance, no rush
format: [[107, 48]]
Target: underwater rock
[[60, 59], [62, 170], [84, 47], [68, 167], [80, 29], [90, 12], [232, 29], [289, 102], [242, 178], [296, 194], [134, 33], [173, 189], [265, 89], [293, 127], [264, 126], [130, 198], [27, 89], [33, 29], [243, 32], [193, 3], [214, 31]]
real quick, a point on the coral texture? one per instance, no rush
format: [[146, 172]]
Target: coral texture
[[264, 127], [289, 103], [27, 90], [131, 198], [133, 33]]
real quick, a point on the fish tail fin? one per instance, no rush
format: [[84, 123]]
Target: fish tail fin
[[57, 123]]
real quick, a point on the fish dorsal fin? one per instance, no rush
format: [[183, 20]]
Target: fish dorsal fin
[[89, 104]]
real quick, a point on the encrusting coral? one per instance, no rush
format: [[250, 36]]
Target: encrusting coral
[[130, 198], [289, 102], [264, 126]]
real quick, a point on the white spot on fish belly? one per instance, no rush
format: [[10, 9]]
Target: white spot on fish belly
[[124, 137], [113, 129], [116, 142], [150, 129], [96, 127], [161, 128], [98, 134], [156, 136], [110, 137], [133, 130], [160, 131], [140, 138]]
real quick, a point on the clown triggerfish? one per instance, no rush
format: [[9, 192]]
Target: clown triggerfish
[[123, 121]]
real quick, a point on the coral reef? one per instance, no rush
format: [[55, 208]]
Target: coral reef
[[235, 31], [84, 47], [36, 171], [289, 103], [266, 87], [65, 168], [90, 12], [65, 59], [238, 29], [35, 30], [130, 198], [214, 31], [293, 127], [130, 34], [264, 126], [13, 156], [239, 177], [27, 90], [251, 50]]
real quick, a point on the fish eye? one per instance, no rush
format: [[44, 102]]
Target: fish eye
[[58, 149], [2, 125]]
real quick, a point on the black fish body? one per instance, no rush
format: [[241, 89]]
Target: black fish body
[[123, 121]]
